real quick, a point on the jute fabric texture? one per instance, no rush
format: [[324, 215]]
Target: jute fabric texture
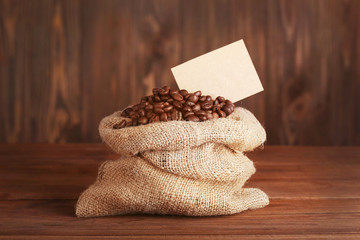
[[177, 168]]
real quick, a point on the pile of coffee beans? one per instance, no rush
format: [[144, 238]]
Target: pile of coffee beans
[[167, 104]]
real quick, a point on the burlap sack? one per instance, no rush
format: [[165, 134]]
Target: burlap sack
[[177, 167]]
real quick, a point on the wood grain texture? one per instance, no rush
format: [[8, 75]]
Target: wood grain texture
[[63, 171], [66, 64], [314, 194]]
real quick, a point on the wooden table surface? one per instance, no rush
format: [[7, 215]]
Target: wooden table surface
[[314, 194]]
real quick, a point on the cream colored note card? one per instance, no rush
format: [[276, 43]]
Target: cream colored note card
[[227, 71]]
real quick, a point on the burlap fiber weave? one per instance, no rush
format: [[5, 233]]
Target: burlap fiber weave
[[177, 168]]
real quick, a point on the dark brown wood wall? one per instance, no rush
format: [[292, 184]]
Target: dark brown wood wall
[[66, 64]]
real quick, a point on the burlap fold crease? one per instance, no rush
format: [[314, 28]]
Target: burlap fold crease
[[177, 167]]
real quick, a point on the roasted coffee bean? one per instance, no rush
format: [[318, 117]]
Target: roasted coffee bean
[[202, 98], [120, 125], [163, 117], [168, 108], [197, 93], [149, 107], [196, 107], [128, 123], [176, 115], [206, 105], [190, 103], [200, 113], [193, 98], [227, 109], [228, 102], [164, 97], [209, 115], [177, 96], [177, 105], [135, 122], [202, 118], [155, 91], [171, 92], [221, 113], [186, 108], [157, 98], [159, 105], [142, 112], [149, 114], [126, 112], [143, 120], [192, 118], [166, 104], [134, 115], [154, 118], [220, 99], [158, 110], [187, 114], [163, 91], [183, 92]]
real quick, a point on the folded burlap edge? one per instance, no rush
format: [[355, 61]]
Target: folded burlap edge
[[246, 133]]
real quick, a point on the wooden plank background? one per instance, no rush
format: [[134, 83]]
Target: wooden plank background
[[66, 64]]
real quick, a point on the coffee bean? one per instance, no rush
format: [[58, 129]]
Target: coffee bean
[[157, 98], [168, 108], [149, 107], [176, 115], [190, 103], [159, 105], [209, 115], [142, 112], [206, 105], [187, 114], [200, 113], [202, 118], [220, 99], [177, 105], [227, 109], [120, 125], [173, 92], [164, 97], [126, 112], [183, 92], [193, 98], [192, 118], [143, 120], [128, 123], [158, 110], [196, 107], [167, 104], [202, 98], [187, 108], [163, 117], [221, 113], [177, 97], [165, 90], [155, 91], [154, 118]]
